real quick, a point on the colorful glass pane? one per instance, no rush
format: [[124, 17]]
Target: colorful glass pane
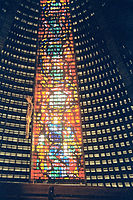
[[57, 138]]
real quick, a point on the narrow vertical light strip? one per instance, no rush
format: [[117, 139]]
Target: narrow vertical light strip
[[57, 138]]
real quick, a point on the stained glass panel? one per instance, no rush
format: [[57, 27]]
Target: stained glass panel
[[57, 139]]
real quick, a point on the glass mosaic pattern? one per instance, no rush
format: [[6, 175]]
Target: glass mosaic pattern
[[57, 139]]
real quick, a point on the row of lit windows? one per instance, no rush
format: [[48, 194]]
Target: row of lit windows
[[102, 69], [22, 58], [19, 147], [29, 8], [18, 66], [101, 100], [26, 15], [96, 79], [18, 80], [26, 44], [13, 124], [110, 169], [108, 154], [108, 130], [100, 75], [18, 110], [24, 37], [105, 115], [112, 176], [22, 73], [114, 184], [110, 121], [103, 131], [85, 43], [15, 64], [13, 95], [17, 87], [26, 22], [107, 106], [14, 139], [15, 117], [110, 146], [17, 169], [108, 161], [21, 162], [103, 107], [82, 20], [90, 48], [101, 84], [109, 138], [107, 123], [25, 29], [19, 155], [93, 54], [11, 101], [106, 98], [24, 51], [102, 93], [107, 146], [14, 72], [10, 176]]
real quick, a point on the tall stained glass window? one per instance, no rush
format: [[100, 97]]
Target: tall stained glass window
[[57, 139]]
